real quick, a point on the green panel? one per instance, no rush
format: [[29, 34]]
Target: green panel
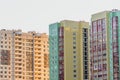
[[53, 51], [110, 45]]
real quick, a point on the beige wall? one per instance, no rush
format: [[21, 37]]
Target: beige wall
[[28, 60]]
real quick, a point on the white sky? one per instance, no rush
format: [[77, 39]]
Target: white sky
[[36, 15]]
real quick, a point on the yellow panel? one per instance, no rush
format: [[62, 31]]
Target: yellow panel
[[69, 28]]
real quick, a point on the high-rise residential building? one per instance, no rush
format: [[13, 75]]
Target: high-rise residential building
[[104, 46], [69, 50], [41, 53], [22, 56]]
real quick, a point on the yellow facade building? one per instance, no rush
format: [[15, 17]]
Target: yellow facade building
[[73, 50]]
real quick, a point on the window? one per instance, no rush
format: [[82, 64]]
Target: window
[[94, 27], [85, 44], [99, 25], [85, 53], [85, 35], [74, 66], [85, 49], [5, 72], [74, 52], [86, 72], [86, 67], [74, 71], [74, 56], [5, 35], [85, 62], [85, 58], [1, 76], [74, 33], [75, 75], [115, 22], [85, 39], [103, 24], [74, 38], [1, 72], [85, 30], [86, 77], [1, 46], [74, 47], [74, 42], [74, 61]]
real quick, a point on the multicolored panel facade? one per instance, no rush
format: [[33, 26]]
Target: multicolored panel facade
[[114, 27], [104, 46], [98, 47]]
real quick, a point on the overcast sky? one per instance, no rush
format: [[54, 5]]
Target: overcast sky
[[36, 15]]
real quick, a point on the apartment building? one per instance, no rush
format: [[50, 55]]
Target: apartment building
[[41, 53], [104, 46], [18, 55], [69, 51], [5, 55]]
